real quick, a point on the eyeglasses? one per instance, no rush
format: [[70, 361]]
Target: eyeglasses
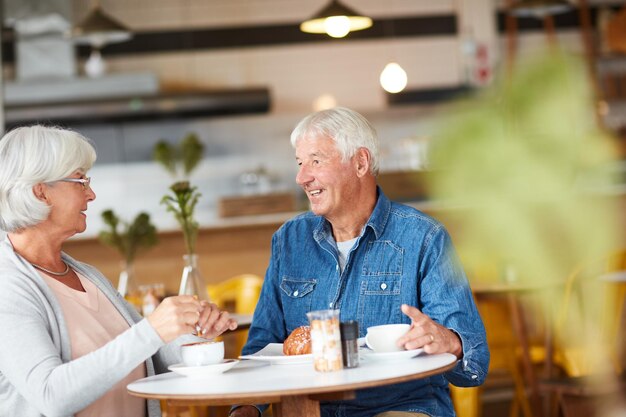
[[85, 182]]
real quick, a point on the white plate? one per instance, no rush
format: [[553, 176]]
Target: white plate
[[273, 353], [389, 356], [206, 370]]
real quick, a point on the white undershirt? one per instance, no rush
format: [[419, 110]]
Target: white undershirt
[[344, 249]]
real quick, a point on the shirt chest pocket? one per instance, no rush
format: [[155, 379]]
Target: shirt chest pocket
[[382, 258], [380, 301], [296, 298]]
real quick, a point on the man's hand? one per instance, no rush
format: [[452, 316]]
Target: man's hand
[[433, 337]]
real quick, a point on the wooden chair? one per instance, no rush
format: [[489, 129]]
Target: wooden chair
[[503, 346], [589, 340]]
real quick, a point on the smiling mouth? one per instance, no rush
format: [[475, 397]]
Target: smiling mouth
[[314, 193]]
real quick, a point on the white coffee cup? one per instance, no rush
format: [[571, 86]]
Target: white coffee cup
[[383, 338], [202, 353]]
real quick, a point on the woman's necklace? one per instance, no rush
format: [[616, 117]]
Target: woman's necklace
[[58, 274]]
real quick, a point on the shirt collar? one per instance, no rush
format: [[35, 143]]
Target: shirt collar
[[377, 220]]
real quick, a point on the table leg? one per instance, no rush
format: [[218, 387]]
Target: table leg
[[296, 406], [519, 325]]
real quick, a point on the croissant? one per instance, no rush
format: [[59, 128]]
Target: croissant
[[298, 342]]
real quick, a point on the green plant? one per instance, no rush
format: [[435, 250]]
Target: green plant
[[183, 157], [128, 238], [182, 203]]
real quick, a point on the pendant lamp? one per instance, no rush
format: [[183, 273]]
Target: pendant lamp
[[336, 20], [98, 29]]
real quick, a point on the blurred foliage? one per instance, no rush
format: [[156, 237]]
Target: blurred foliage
[[527, 162], [182, 203], [179, 159], [518, 155], [128, 238]]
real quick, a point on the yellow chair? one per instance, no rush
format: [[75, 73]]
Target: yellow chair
[[240, 295], [467, 401]]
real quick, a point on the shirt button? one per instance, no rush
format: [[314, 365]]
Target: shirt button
[[295, 293], [330, 305], [336, 267], [474, 376], [383, 286]]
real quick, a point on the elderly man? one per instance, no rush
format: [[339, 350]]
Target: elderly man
[[377, 261]]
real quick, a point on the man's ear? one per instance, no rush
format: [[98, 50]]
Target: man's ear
[[363, 161], [40, 192]]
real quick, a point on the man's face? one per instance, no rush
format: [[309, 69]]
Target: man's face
[[328, 182]]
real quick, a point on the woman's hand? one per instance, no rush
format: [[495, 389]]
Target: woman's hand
[[213, 322], [176, 316], [426, 333]]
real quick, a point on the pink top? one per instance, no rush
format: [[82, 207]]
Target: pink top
[[92, 321]]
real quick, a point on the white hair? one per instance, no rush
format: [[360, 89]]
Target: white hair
[[33, 155], [349, 129]]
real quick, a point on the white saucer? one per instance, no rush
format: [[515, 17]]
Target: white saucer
[[205, 370], [389, 356]]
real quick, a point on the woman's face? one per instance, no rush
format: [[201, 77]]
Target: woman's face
[[68, 202]]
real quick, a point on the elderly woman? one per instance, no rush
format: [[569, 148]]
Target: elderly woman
[[70, 343]]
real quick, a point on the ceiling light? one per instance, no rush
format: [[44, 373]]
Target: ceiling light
[[98, 29], [393, 79], [539, 8], [336, 20]]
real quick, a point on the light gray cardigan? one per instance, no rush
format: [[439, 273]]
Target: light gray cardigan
[[37, 375]]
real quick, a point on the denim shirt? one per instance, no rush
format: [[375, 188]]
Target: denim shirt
[[401, 257]]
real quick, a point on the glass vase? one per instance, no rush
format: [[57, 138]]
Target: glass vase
[[192, 282], [127, 285]]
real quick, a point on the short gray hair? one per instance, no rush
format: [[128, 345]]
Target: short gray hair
[[32, 155], [349, 129]]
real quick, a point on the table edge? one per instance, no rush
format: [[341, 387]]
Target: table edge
[[303, 391]]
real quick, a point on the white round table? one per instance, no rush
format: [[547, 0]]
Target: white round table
[[293, 389]]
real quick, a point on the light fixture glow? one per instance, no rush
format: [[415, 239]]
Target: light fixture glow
[[393, 79], [324, 102], [335, 12], [337, 26]]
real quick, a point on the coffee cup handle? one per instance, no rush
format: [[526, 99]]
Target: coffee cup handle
[[367, 343]]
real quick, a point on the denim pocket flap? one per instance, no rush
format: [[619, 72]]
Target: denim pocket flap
[[381, 287], [297, 288]]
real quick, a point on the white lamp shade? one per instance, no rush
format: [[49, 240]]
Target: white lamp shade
[[393, 79]]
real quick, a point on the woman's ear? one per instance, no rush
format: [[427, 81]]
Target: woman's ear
[[40, 192], [363, 159]]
